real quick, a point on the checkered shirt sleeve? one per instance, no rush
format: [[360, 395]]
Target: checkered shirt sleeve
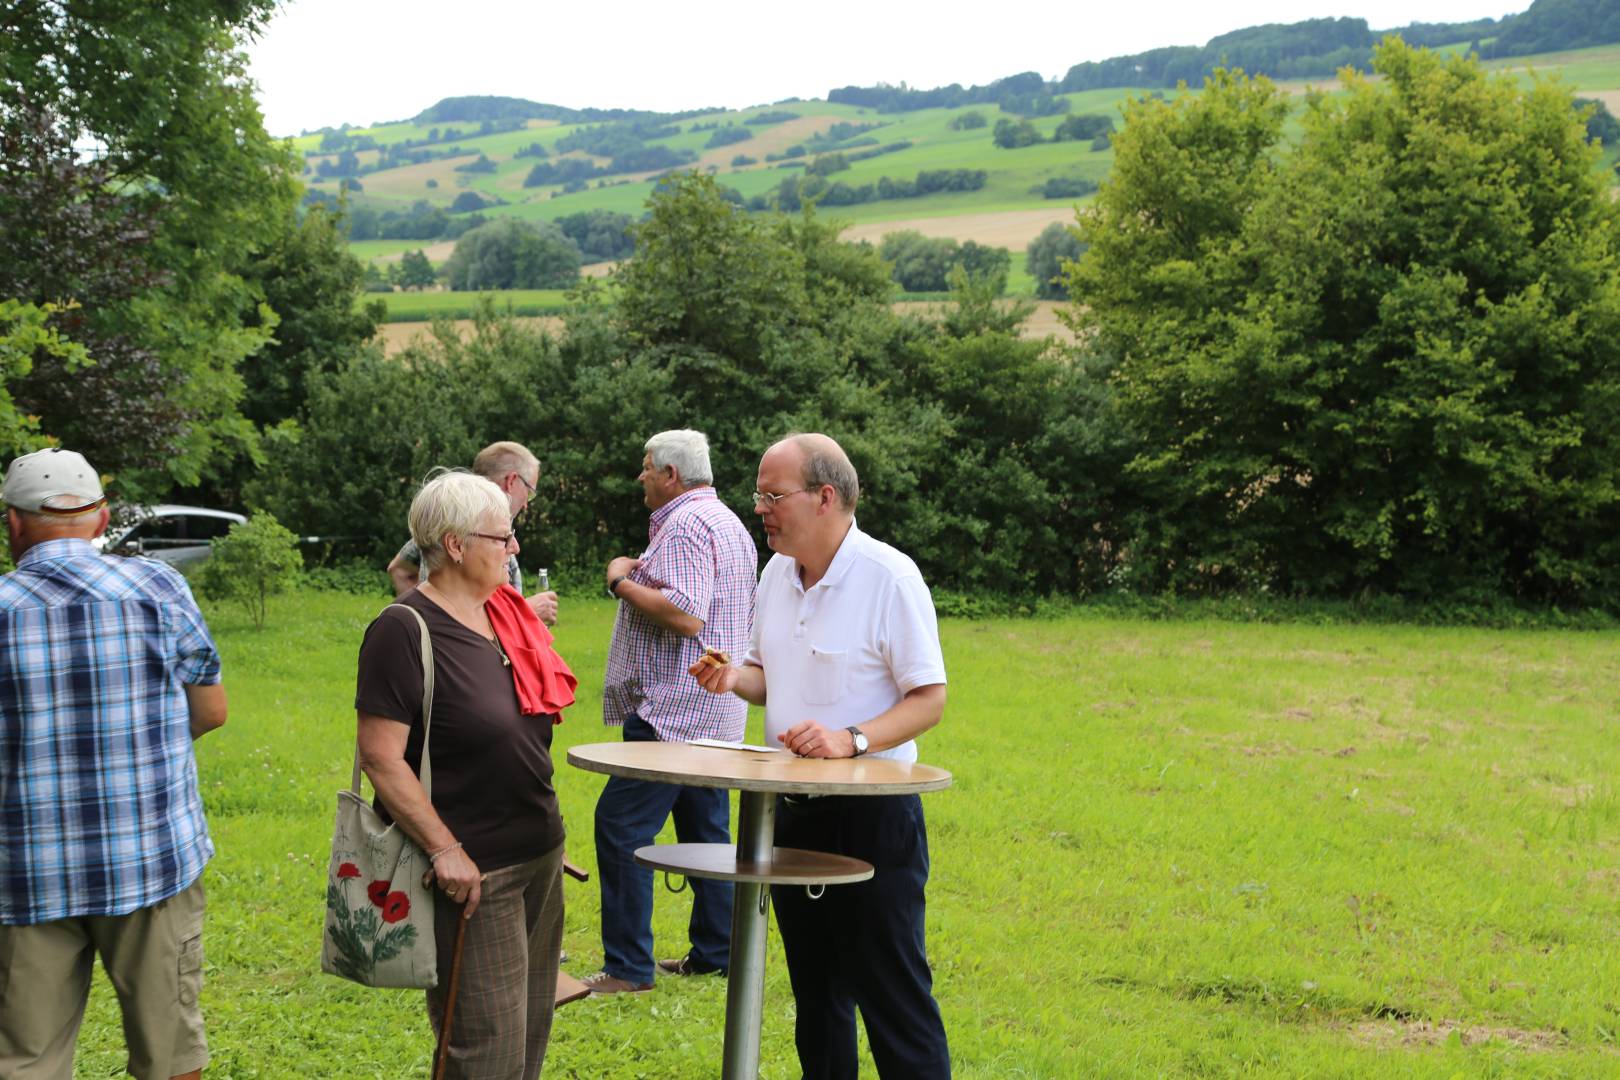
[[98, 783]]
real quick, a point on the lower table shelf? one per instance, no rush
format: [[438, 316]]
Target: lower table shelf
[[788, 866]]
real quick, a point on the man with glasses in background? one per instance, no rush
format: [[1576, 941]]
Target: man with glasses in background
[[512, 468], [692, 587]]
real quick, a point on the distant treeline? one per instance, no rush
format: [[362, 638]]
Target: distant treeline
[[794, 191], [1312, 48], [477, 108], [628, 145]]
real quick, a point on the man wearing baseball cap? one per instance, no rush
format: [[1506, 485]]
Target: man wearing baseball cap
[[107, 674]]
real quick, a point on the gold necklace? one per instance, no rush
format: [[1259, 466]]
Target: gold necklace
[[496, 641]]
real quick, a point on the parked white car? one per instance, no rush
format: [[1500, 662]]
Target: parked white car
[[178, 535]]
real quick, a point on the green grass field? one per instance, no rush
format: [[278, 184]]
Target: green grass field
[[1184, 849], [422, 306]]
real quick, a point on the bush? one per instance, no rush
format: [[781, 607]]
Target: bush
[[1010, 135], [727, 135], [1067, 187], [743, 159], [358, 577], [1045, 257], [600, 235], [967, 121], [251, 563], [921, 263], [826, 165], [1082, 128], [1384, 361], [469, 201], [511, 254]]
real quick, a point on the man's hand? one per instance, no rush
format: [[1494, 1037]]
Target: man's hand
[[620, 567], [716, 678], [544, 605], [809, 739]]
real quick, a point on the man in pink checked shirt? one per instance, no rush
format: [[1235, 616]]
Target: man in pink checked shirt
[[693, 587]]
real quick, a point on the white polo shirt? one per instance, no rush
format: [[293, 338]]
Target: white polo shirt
[[849, 648]]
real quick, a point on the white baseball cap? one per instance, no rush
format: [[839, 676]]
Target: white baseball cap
[[60, 478]]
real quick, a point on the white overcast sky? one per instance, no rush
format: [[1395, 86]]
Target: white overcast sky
[[328, 62]]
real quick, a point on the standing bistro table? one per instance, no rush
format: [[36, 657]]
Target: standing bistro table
[[755, 864]]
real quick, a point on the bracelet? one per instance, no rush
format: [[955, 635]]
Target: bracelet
[[613, 586], [433, 859]]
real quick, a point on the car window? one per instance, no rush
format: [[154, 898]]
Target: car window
[[207, 528]]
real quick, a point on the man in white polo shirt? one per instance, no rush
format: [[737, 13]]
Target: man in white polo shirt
[[846, 660]]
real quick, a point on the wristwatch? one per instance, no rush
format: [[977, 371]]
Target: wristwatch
[[860, 740], [613, 586]]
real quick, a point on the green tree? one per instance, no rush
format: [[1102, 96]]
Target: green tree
[[253, 562], [920, 263], [1045, 258], [312, 289], [1011, 135], [415, 271], [512, 254], [164, 95], [1389, 360]]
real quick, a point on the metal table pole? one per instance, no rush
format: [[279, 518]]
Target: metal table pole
[[745, 987]]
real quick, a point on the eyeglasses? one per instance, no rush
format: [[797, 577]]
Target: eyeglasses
[[770, 498], [533, 491], [504, 541]]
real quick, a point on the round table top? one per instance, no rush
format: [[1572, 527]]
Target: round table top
[[749, 770]]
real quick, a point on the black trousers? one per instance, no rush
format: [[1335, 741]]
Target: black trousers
[[861, 946]]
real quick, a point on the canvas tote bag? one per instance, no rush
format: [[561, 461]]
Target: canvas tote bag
[[379, 911]]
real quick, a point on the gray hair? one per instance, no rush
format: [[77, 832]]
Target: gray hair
[[497, 459], [685, 449], [826, 463], [453, 503]]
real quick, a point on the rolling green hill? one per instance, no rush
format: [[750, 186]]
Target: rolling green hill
[[1008, 208]]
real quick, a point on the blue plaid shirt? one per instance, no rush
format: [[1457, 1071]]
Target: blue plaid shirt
[[99, 810]]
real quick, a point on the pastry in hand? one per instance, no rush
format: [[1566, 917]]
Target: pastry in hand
[[710, 658]]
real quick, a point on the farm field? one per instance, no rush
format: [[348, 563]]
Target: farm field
[[1182, 849], [1008, 211], [423, 306], [396, 336]]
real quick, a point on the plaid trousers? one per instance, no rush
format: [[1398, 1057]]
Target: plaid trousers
[[508, 972]]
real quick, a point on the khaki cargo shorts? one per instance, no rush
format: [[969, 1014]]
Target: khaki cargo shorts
[[153, 958]]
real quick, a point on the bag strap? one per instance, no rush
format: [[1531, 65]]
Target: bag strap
[[426, 771]]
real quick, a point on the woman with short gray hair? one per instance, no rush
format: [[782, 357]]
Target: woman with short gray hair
[[492, 829]]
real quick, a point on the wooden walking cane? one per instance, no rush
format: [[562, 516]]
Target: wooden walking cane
[[450, 1001]]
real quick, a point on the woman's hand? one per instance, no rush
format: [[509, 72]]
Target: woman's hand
[[458, 876]]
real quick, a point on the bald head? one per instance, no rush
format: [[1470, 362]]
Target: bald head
[[821, 461]]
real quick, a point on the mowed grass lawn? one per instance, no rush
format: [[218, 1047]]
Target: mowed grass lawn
[[1172, 849]]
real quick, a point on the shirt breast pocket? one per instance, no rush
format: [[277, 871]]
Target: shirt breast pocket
[[824, 681]]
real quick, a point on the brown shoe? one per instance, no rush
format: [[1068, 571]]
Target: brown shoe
[[687, 966], [603, 983]]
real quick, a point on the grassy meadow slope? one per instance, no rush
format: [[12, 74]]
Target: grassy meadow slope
[[1008, 211], [1180, 849]]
